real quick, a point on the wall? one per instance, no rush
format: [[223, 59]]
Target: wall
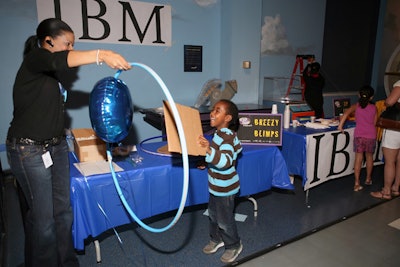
[[192, 23], [348, 52], [304, 29], [228, 30], [240, 41], [289, 32]]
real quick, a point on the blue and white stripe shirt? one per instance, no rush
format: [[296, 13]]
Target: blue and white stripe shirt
[[223, 179]]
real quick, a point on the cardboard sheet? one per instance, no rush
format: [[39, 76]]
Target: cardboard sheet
[[191, 126], [96, 167]]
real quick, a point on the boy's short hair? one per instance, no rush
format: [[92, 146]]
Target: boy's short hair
[[232, 110]]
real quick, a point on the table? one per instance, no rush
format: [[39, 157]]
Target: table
[[155, 116], [154, 186], [319, 155]]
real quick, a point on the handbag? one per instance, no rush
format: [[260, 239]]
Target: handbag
[[390, 118]]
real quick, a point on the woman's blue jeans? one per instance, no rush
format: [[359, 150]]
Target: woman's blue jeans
[[48, 218], [222, 221]]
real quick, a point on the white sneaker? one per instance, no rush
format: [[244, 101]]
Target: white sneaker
[[231, 254], [212, 247]]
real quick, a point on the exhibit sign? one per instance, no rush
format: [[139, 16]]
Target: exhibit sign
[[330, 155], [260, 128]]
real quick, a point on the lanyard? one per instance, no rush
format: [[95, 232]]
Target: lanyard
[[63, 92]]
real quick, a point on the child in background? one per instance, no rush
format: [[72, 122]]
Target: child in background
[[364, 133], [223, 180], [314, 84]]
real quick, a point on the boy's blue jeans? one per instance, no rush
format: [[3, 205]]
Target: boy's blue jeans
[[48, 218], [222, 221]]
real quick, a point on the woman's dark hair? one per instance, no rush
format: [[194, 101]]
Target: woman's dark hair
[[49, 27], [365, 93], [231, 109]]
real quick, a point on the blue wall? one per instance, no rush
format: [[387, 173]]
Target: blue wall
[[303, 23], [228, 30]]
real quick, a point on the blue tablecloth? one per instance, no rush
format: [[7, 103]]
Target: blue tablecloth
[[154, 186]]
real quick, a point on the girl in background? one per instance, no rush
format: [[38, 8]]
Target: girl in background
[[364, 133], [314, 84]]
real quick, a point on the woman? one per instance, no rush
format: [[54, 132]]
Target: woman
[[36, 145], [391, 155]]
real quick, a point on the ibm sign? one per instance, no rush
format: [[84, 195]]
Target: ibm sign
[[112, 21]]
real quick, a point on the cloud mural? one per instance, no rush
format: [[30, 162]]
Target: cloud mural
[[273, 37]]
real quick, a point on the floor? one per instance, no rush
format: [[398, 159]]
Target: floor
[[371, 238], [333, 227]]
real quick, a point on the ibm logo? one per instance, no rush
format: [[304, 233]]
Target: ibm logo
[[111, 21]]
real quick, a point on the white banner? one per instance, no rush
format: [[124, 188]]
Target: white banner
[[112, 21], [330, 155]]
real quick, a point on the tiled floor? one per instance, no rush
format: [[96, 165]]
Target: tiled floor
[[363, 240]]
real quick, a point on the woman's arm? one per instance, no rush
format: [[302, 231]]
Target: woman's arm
[[393, 97], [113, 60]]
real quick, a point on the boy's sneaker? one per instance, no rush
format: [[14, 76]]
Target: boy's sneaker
[[212, 247], [231, 254]]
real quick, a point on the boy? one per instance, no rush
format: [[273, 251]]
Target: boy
[[223, 180]]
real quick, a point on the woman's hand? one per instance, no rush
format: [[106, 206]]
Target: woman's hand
[[113, 60]]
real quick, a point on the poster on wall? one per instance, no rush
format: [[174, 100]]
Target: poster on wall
[[110, 21], [193, 58]]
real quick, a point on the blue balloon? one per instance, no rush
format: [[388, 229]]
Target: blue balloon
[[111, 109]]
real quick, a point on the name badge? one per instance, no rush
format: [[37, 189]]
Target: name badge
[[47, 159]]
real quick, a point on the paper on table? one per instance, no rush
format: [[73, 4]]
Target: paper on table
[[315, 125], [96, 167]]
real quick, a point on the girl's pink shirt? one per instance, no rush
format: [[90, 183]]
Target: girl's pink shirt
[[365, 122]]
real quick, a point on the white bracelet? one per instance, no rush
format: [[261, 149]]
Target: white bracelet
[[97, 58]]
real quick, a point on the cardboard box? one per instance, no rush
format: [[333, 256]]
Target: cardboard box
[[88, 147], [192, 128]]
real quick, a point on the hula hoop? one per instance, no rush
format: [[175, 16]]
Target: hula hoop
[[185, 157]]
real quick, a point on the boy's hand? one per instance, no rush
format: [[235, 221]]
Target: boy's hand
[[203, 142]]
